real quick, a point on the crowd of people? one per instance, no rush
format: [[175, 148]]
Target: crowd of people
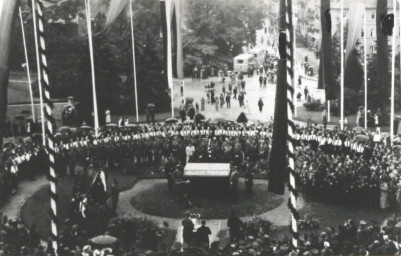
[[329, 162]]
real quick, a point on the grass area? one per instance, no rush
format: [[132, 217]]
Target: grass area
[[156, 201], [36, 210]]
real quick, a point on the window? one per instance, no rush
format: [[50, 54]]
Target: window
[[371, 49], [362, 33], [240, 61], [373, 15], [371, 32], [344, 14]]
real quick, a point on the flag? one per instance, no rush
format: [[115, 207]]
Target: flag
[[326, 78], [354, 25], [115, 9], [278, 171], [50, 3]]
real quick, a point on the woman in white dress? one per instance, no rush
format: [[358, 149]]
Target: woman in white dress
[[384, 204]]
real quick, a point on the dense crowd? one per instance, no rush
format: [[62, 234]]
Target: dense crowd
[[357, 164], [349, 165]]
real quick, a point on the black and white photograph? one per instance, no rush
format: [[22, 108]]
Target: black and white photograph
[[200, 127]]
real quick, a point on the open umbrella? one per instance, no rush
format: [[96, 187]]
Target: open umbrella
[[361, 138], [85, 127], [358, 129], [151, 105], [36, 136], [26, 112], [103, 240], [171, 120], [111, 125], [19, 117], [64, 129]]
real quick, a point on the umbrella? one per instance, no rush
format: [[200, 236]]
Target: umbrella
[[19, 117], [26, 112], [171, 120], [85, 126], [111, 125], [151, 105], [64, 129], [189, 121], [103, 240], [358, 129], [36, 136], [130, 125], [361, 138]]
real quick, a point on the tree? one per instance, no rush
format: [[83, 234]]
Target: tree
[[215, 31]]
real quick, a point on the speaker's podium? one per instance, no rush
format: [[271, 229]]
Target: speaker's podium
[[208, 177]]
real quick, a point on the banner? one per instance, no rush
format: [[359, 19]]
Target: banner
[[115, 9], [354, 26]]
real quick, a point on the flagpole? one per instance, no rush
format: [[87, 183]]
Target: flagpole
[[27, 65], [294, 57], [169, 57], [42, 114], [133, 60], [89, 25], [393, 73], [342, 63], [365, 69]]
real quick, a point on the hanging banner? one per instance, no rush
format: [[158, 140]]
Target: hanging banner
[[357, 9]]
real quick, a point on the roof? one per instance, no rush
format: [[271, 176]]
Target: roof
[[244, 56]]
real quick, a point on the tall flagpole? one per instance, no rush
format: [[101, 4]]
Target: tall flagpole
[[42, 113], [133, 60], [393, 72], [342, 63], [169, 57], [290, 49], [28, 72], [50, 125], [294, 59], [88, 21], [365, 70]]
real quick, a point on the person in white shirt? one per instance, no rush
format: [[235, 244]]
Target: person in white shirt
[[189, 150]]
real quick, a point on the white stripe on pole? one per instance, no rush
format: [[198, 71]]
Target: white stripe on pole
[[133, 60], [393, 72], [342, 63], [169, 57], [365, 70], [42, 113], [28, 72], [89, 25]]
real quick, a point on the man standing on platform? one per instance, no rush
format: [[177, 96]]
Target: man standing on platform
[[188, 229], [202, 235], [324, 117]]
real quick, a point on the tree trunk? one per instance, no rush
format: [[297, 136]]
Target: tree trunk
[[7, 18], [382, 65], [278, 172]]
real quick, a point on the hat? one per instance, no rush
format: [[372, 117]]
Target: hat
[[326, 244], [362, 222], [87, 248]]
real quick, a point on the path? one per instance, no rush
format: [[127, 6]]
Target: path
[[25, 189], [278, 216]]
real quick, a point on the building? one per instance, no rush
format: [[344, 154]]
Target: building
[[309, 27]]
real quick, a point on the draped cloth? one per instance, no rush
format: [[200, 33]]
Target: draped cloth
[[357, 10], [115, 9]]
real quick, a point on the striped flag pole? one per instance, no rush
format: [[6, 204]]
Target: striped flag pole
[[169, 55], [42, 112], [28, 71], [50, 121], [292, 202]]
